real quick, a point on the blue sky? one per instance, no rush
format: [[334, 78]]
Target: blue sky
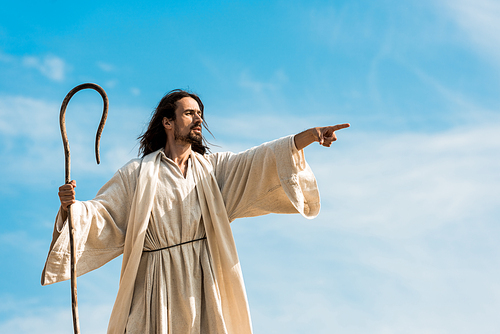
[[406, 241]]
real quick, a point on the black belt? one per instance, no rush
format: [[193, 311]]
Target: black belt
[[182, 243]]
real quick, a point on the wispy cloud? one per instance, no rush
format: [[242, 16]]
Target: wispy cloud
[[111, 83], [21, 241], [406, 233], [50, 66], [278, 78], [29, 130], [480, 21], [135, 91], [412, 183], [45, 320], [106, 67], [406, 239]]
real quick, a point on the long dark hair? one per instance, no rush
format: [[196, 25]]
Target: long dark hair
[[155, 137]]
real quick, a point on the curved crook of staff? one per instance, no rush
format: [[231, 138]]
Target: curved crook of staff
[[74, 301]]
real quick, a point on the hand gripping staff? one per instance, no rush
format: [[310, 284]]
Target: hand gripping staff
[[74, 301]]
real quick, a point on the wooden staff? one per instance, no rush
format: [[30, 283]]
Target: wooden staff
[[74, 301]]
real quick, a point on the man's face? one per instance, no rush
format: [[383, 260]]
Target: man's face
[[187, 124]]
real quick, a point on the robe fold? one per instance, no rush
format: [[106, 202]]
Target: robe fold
[[271, 178]]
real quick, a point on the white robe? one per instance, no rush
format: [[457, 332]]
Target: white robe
[[272, 177]]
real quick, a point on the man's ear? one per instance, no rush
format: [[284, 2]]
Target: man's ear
[[167, 124]]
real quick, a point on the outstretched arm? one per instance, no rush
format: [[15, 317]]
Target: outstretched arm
[[324, 135]]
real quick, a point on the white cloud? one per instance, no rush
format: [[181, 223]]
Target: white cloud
[[135, 91], [412, 183], [245, 129], [26, 116], [480, 20], [106, 67], [111, 83], [407, 286], [52, 67], [406, 239], [272, 84], [391, 185], [22, 241], [29, 130], [45, 320]]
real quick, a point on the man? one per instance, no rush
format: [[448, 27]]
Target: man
[[169, 214]]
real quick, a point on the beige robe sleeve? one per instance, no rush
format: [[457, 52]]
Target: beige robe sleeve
[[100, 226], [271, 178]]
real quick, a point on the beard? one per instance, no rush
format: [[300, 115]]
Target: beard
[[191, 138]]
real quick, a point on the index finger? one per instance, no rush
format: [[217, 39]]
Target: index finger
[[340, 126], [67, 186]]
